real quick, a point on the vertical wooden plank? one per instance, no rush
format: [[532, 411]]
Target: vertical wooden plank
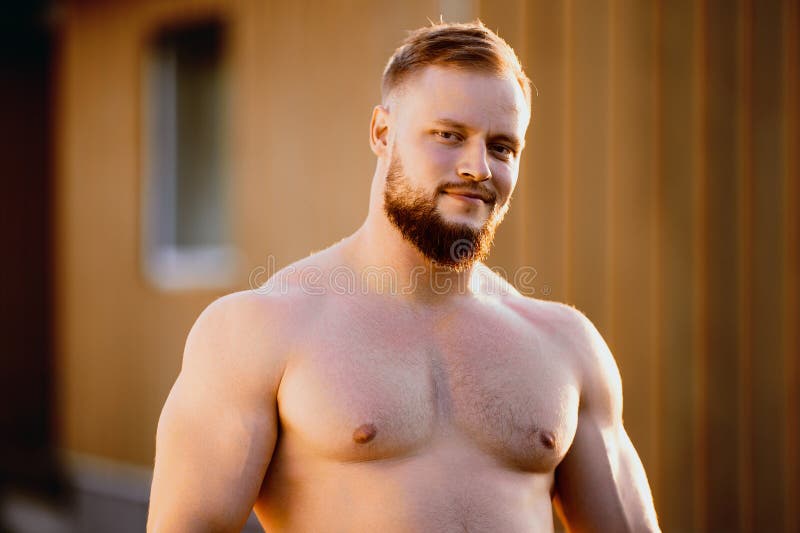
[[656, 259], [629, 214], [613, 129], [545, 181], [721, 252], [791, 257], [569, 169], [699, 264], [678, 137], [254, 91], [745, 266], [768, 391], [589, 157]]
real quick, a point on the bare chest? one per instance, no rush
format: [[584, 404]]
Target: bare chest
[[368, 387]]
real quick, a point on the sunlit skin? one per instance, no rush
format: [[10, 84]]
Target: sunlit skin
[[468, 408]]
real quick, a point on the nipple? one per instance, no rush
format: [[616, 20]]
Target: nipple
[[364, 433], [547, 439]]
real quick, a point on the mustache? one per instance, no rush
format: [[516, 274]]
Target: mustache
[[476, 189]]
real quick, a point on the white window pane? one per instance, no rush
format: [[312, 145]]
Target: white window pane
[[186, 206]]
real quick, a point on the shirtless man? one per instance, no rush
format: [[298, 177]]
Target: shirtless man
[[432, 399]]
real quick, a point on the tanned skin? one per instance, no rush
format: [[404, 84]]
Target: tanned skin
[[402, 406]]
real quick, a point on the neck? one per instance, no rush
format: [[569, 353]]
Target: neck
[[387, 263]]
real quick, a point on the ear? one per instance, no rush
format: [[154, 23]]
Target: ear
[[379, 130]]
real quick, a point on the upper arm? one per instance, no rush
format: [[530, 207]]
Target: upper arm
[[218, 426], [601, 484]]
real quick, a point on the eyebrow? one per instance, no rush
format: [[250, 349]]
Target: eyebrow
[[515, 143]]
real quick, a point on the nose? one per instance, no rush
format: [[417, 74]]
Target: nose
[[473, 165]]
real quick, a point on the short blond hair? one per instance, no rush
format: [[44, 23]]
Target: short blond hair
[[469, 46]]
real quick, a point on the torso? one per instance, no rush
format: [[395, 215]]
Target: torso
[[395, 419]]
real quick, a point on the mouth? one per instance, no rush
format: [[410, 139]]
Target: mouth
[[470, 195]]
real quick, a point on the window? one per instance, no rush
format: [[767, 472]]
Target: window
[[186, 211]]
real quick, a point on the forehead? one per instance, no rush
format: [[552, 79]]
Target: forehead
[[478, 99]]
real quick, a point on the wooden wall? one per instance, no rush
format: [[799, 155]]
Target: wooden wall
[[659, 195]]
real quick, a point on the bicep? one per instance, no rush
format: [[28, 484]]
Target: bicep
[[211, 456], [601, 484], [216, 432]]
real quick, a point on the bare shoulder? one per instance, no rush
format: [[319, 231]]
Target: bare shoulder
[[561, 323], [577, 339], [241, 336]]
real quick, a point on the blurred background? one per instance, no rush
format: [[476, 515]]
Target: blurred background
[[159, 154]]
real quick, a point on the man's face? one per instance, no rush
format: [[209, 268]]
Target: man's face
[[454, 161]]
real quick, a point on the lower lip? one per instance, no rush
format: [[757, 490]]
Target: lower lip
[[468, 199]]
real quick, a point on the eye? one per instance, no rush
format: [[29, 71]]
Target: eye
[[449, 136], [503, 151]]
